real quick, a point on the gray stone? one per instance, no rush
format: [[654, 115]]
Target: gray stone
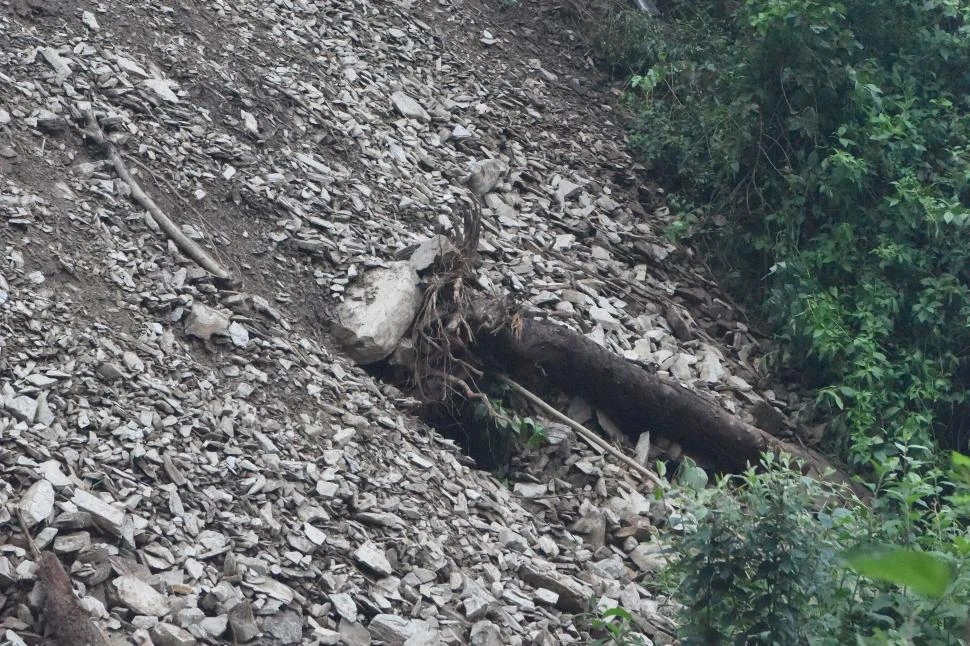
[[71, 543], [545, 597], [215, 626], [424, 635], [164, 634], [344, 604], [430, 250], [204, 321], [378, 312], [373, 558], [23, 408], [238, 334], [391, 629], [512, 540], [476, 600], [485, 633], [51, 470], [408, 107], [37, 502], [110, 517], [648, 557], [8, 576], [286, 626], [574, 595], [110, 371], [44, 414], [566, 189], [711, 369], [353, 633], [486, 175], [140, 597], [242, 623], [163, 88]]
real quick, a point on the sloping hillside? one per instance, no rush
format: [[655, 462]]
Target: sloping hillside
[[205, 464]]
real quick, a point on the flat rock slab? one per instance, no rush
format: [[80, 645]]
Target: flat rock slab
[[378, 311], [37, 503], [141, 597], [408, 107]]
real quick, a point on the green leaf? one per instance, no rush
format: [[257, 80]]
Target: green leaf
[[960, 460], [927, 574], [622, 613]]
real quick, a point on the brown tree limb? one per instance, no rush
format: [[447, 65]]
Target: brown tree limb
[[70, 623], [187, 246], [634, 398]]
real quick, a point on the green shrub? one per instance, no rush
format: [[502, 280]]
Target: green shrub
[[833, 138], [764, 565], [757, 567]]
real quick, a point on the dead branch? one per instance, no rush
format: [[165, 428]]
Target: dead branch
[[70, 623], [187, 246], [591, 438], [631, 396]]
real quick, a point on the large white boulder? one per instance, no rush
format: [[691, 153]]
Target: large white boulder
[[378, 311]]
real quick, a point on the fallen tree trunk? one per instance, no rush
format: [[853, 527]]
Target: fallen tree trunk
[[634, 398]]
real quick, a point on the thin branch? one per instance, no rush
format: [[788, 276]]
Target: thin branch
[[185, 245], [592, 438]]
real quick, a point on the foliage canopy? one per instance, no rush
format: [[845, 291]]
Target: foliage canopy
[[834, 140]]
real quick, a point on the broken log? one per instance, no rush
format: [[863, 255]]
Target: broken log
[[634, 398]]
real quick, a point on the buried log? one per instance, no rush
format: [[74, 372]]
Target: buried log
[[457, 334], [634, 398]]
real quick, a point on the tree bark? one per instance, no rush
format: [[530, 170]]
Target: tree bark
[[635, 399]]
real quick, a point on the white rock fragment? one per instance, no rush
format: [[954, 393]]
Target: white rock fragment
[[648, 557], [51, 471], [378, 311], [430, 250], [58, 64], [23, 408], [89, 21], [249, 122], [204, 322], [37, 502], [391, 629], [110, 516], [140, 597], [485, 633], [131, 66], [545, 597], [39, 380], [238, 334], [565, 189], [711, 369], [408, 107], [486, 175], [373, 558], [344, 604], [163, 88]]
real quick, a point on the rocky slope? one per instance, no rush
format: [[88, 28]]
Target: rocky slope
[[202, 461]]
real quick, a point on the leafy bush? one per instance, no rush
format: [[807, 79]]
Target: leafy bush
[[756, 568], [764, 566], [822, 151]]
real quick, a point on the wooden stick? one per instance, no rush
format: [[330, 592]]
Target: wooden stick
[[592, 438], [185, 245], [71, 624]]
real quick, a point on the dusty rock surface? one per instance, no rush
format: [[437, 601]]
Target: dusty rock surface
[[207, 468]]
